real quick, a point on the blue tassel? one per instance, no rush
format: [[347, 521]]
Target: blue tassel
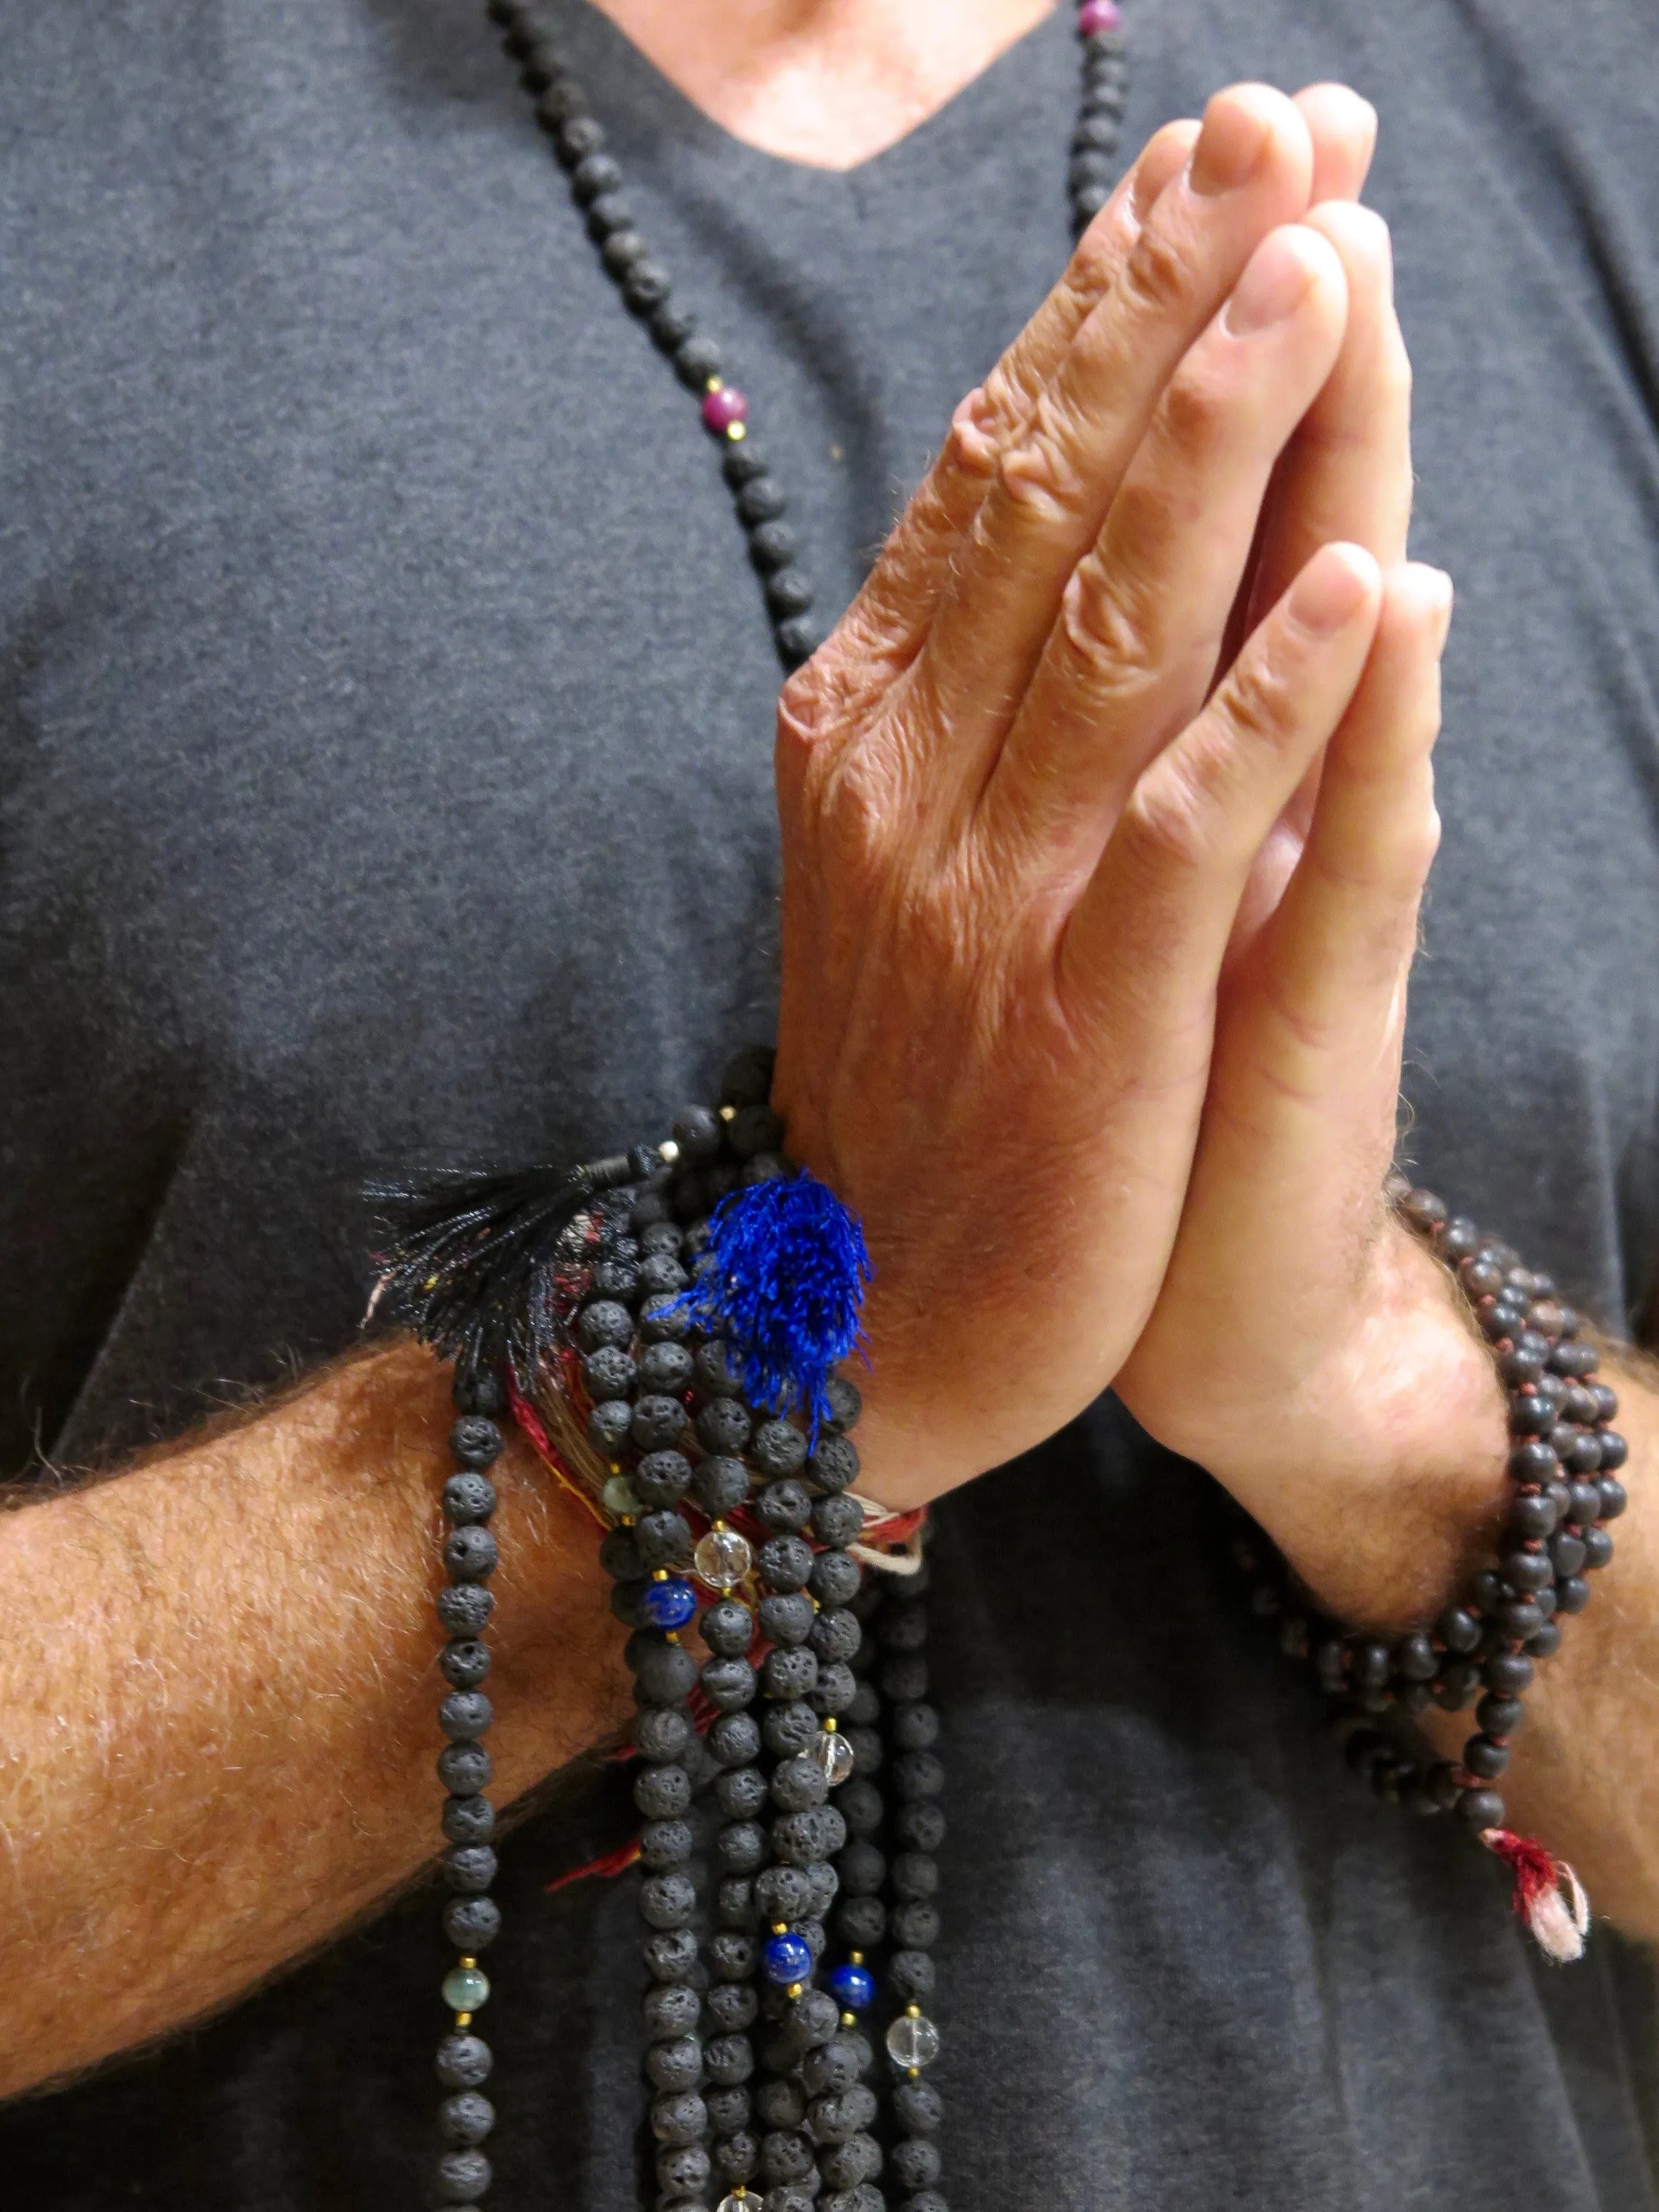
[[781, 1278]]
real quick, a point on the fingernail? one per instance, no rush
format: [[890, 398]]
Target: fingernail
[[1274, 286], [1160, 164], [1230, 147], [1445, 595], [1333, 587]]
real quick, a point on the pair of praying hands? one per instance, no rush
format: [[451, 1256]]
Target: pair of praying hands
[[1107, 810]]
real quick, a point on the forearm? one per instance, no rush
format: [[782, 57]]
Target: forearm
[[220, 1682]]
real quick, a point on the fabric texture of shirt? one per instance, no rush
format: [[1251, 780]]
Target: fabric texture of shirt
[[385, 778]]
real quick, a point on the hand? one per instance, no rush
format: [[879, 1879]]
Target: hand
[[1019, 813], [1303, 1347]]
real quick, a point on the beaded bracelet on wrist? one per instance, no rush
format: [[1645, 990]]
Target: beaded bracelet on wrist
[[1563, 1467]]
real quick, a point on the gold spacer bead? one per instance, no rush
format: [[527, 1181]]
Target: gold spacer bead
[[779, 1927], [715, 384], [913, 2073], [830, 1725], [856, 1958], [737, 432], [463, 2020], [728, 1113], [795, 1989], [659, 1574], [912, 2012], [671, 1635], [849, 2019], [469, 1962]]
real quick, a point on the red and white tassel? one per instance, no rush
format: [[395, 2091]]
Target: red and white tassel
[[1548, 1895]]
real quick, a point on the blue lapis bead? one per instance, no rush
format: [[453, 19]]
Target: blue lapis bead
[[670, 1604], [854, 1988], [787, 1960]]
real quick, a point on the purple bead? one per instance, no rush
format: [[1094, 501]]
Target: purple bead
[[721, 409], [1096, 15]]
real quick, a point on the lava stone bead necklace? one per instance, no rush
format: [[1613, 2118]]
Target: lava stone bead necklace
[[756, 2049], [597, 186], [795, 1766]]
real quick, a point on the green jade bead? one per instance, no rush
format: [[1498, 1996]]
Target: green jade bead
[[466, 1989], [620, 1498]]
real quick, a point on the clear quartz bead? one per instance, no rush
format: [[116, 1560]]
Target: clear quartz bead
[[912, 2040], [832, 1755], [619, 1497], [466, 1989], [722, 1559]]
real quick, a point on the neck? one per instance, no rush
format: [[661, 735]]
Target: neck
[[830, 83]]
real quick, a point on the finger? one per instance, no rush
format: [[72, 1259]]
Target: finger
[[1249, 173], [1132, 656], [898, 598], [1323, 1000], [1347, 472], [1343, 128], [1140, 954]]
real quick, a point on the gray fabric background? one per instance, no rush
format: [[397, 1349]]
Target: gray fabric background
[[385, 777]]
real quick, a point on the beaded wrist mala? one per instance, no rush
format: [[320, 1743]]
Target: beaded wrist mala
[[1562, 1466], [666, 1327]]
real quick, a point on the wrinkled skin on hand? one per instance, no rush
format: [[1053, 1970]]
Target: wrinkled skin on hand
[[1133, 716]]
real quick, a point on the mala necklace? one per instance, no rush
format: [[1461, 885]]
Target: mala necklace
[[665, 1327]]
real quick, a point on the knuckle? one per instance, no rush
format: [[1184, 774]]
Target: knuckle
[[861, 797], [1163, 827], [1107, 633], [1196, 414], [1258, 703], [973, 441], [1156, 279], [1092, 269], [1039, 473], [823, 711], [803, 710], [799, 745]]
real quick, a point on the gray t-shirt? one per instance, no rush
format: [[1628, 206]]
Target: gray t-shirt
[[385, 779]]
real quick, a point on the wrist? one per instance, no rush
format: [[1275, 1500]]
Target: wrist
[[1381, 1476]]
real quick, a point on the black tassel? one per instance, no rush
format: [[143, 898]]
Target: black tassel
[[469, 1262]]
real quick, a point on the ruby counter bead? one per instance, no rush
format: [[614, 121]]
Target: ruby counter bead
[[722, 408]]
